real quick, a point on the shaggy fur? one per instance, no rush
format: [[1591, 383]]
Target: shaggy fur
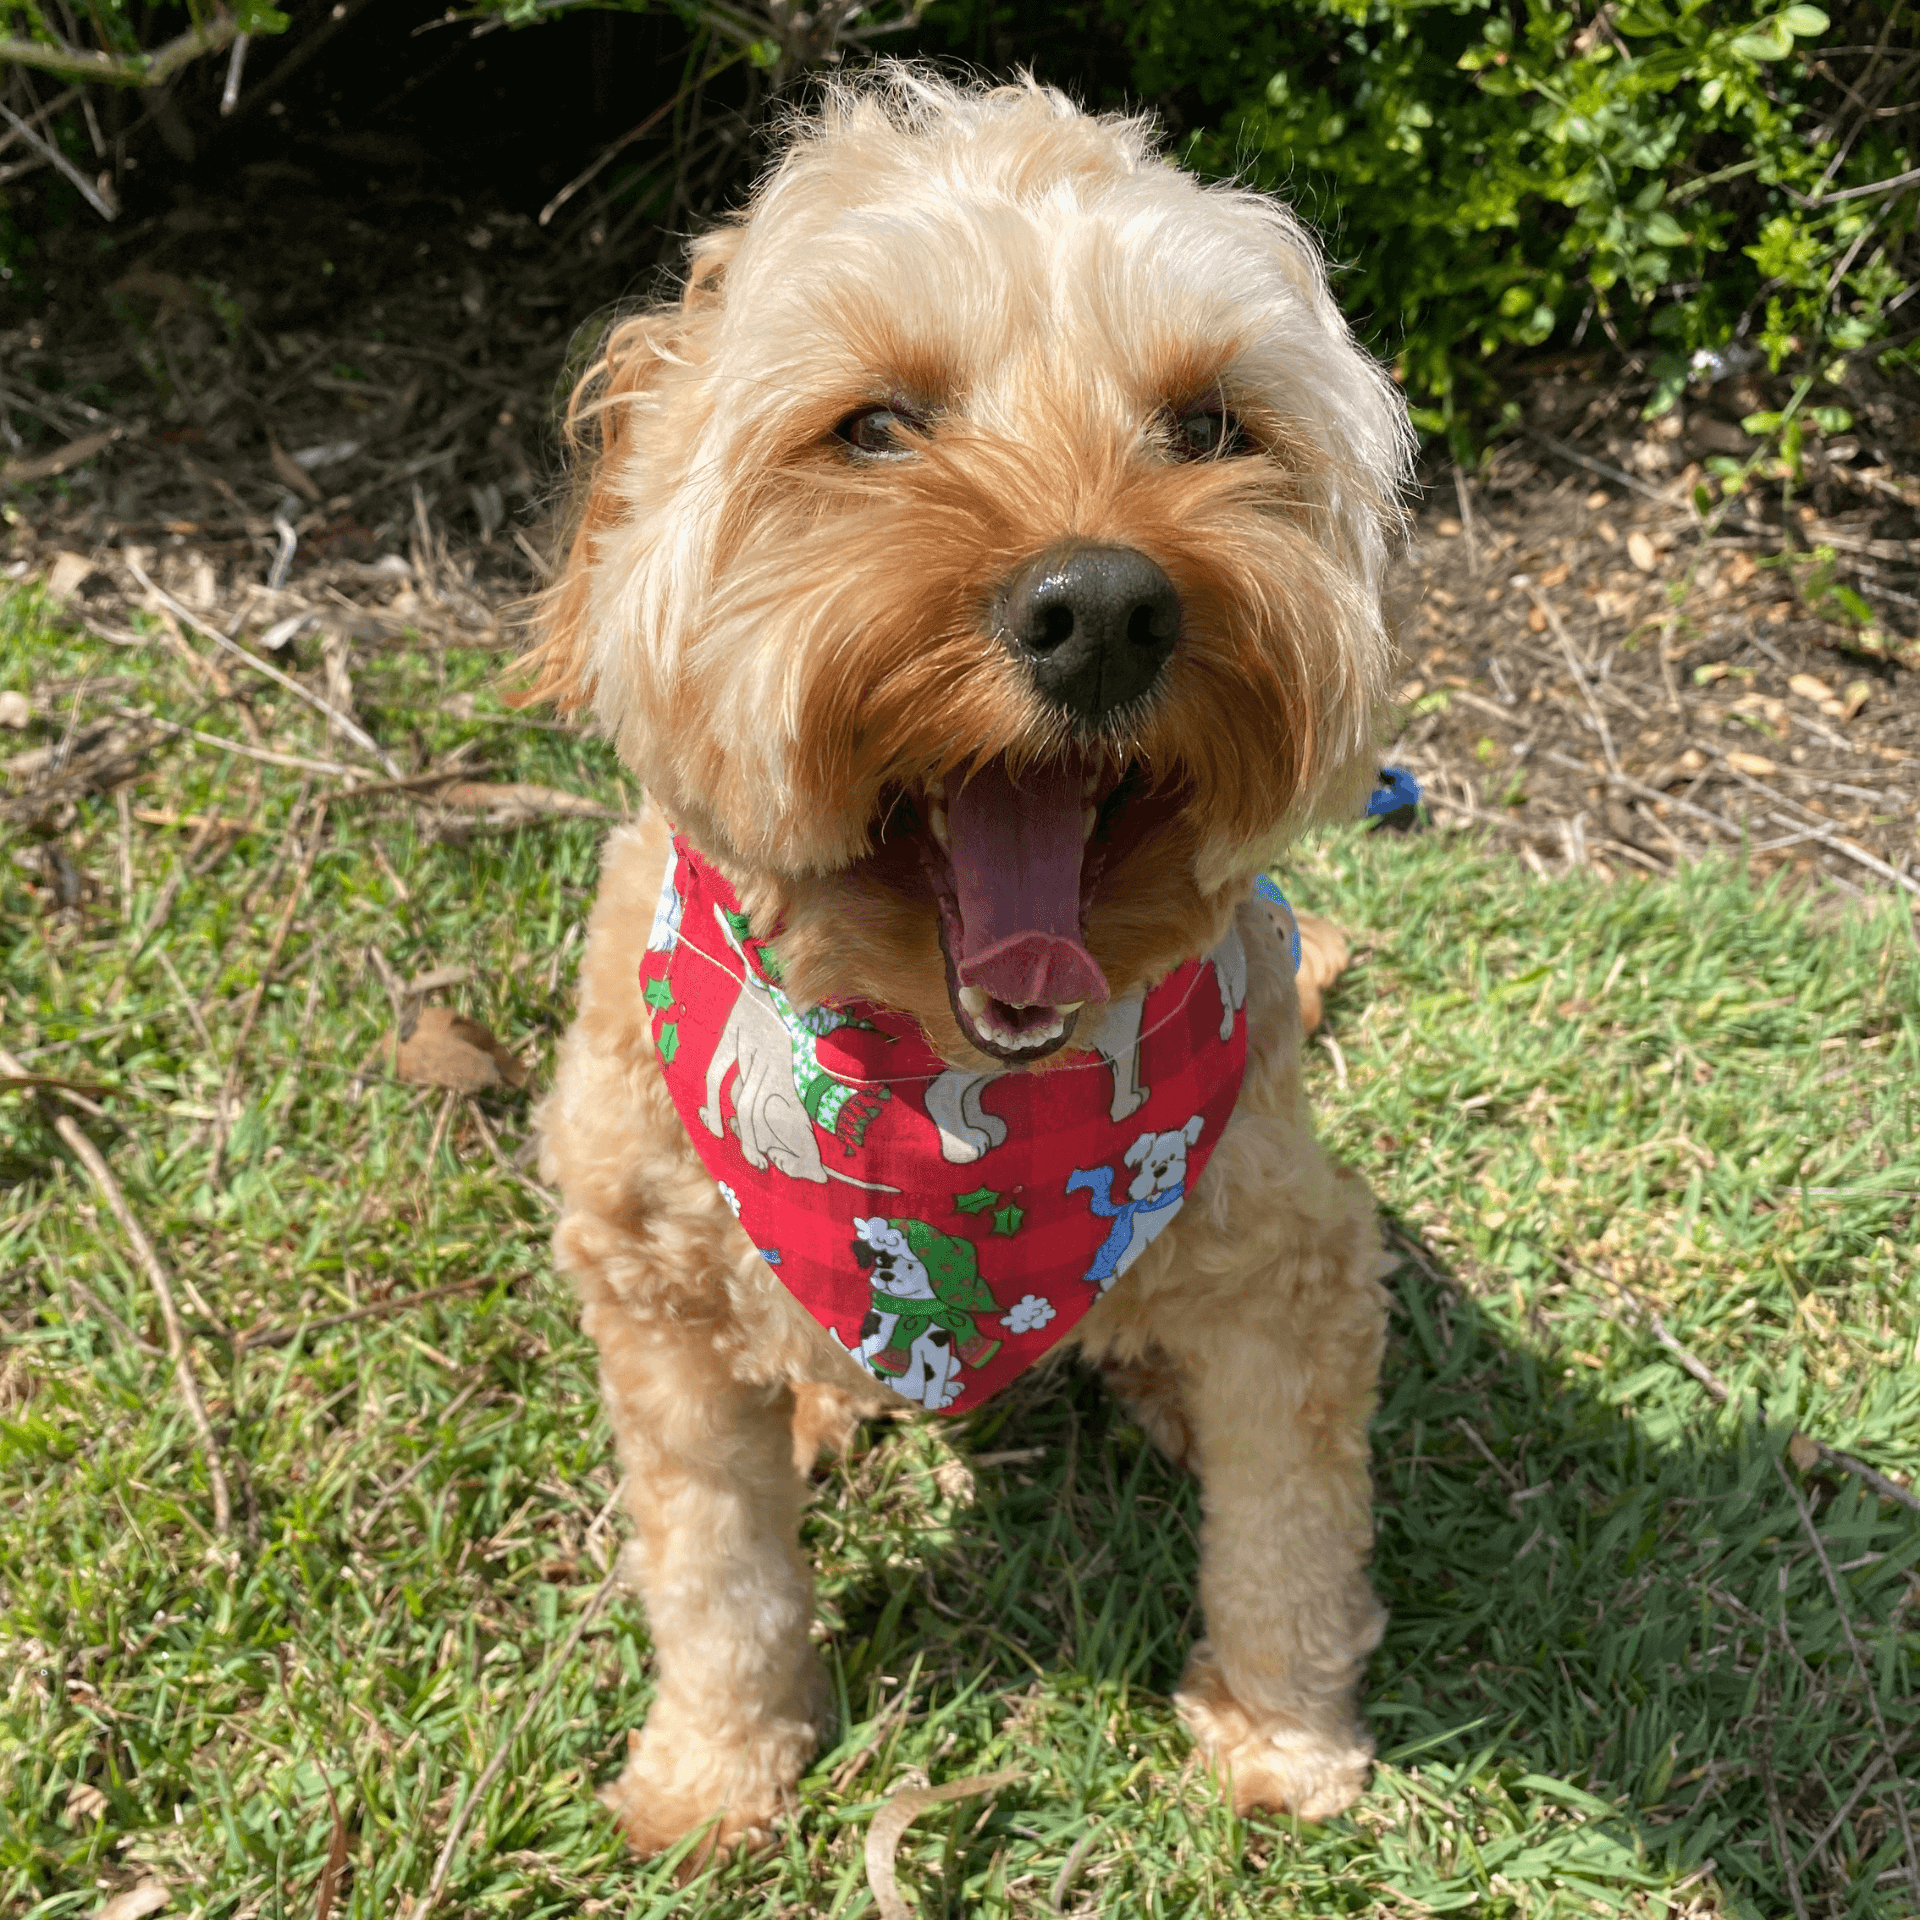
[[793, 648]]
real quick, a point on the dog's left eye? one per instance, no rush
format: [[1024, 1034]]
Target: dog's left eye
[[1209, 433], [880, 433]]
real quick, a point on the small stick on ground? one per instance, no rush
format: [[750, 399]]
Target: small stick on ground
[[91, 1158], [123, 805], [1463, 492], [1720, 1394], [1551, 615], [112, 1319], [1782, 1851], [442, 1419], [1859, 855], [299, 762], [345, 722], [1627, 784], [506, 1166], [255, 1339], [177, 879], [230, 1090], [883, 1837], [1860, 1667]]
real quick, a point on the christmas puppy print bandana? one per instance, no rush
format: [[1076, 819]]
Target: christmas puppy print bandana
[[946, 1226]]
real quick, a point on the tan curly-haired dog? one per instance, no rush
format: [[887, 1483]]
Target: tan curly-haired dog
[[984, 446]]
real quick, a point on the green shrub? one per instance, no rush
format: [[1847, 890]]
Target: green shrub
[[1492, 177]]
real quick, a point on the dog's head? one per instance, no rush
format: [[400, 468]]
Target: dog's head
[[892, 1265], [1160, 1160], [981, 563]]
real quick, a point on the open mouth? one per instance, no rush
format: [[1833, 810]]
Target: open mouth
[[1013, 864]]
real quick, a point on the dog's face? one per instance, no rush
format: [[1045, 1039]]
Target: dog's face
[[893, 1267], [983, 561], [1160, 1160]]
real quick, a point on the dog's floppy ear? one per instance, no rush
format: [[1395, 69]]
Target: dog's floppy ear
[[1139, 1150], [1192, 1129], [599, 412]]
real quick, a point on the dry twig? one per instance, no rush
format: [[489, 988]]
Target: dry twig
[[1719, 1392], [883, 1836], [299, 762], [255, 1339], [92, 1159], [230, 1091], [347, 725], [1860, 1667]]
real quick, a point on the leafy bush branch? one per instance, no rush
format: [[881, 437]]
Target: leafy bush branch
[[1671, 176]]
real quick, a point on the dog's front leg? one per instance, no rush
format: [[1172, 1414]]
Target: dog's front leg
[[715, 1500], [1274, 1378]]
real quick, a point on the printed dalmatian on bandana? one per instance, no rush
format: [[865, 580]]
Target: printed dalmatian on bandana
[[920, 1328], [946, 1227]]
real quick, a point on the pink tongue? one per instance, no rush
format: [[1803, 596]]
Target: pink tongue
[[1016, 869]]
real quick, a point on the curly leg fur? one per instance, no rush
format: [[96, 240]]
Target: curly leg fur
[[716, 1502], [1250, 1346]]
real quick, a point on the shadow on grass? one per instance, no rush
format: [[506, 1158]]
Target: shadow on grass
[[1628, 1663]]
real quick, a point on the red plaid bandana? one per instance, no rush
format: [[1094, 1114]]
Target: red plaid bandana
[[946, 1227]]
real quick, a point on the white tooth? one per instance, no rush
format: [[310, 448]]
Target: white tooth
[[938, 821], [1090, 786], [1086, 823], [974, 1001], [1069, 1006], [937, 791]]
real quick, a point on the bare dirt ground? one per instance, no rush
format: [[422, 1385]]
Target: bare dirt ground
[[1603, 678], [318, 432]]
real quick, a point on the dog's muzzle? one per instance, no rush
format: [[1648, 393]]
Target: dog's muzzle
[[1094, 626]]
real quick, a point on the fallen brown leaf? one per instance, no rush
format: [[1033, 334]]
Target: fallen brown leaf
[[441, 1048], [68, 574], [44, 466], [1857, 696], [84, 1802], [883, 1837], [1640, 550], [1755, 764], [291, 472], [437, 977], [136, 1903], [336, 1861], [1808, 688], [16, 710], [1804, 1453]]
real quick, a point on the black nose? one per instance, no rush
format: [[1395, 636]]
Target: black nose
[[1094, 625]]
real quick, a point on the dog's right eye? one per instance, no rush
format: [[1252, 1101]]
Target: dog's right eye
[[879, 433]]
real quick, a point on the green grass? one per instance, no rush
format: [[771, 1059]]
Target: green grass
[[1616, 1677]]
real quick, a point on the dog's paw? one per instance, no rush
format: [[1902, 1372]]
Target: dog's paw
[[677, 1782], [1281, 1762], [1323, 959]]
